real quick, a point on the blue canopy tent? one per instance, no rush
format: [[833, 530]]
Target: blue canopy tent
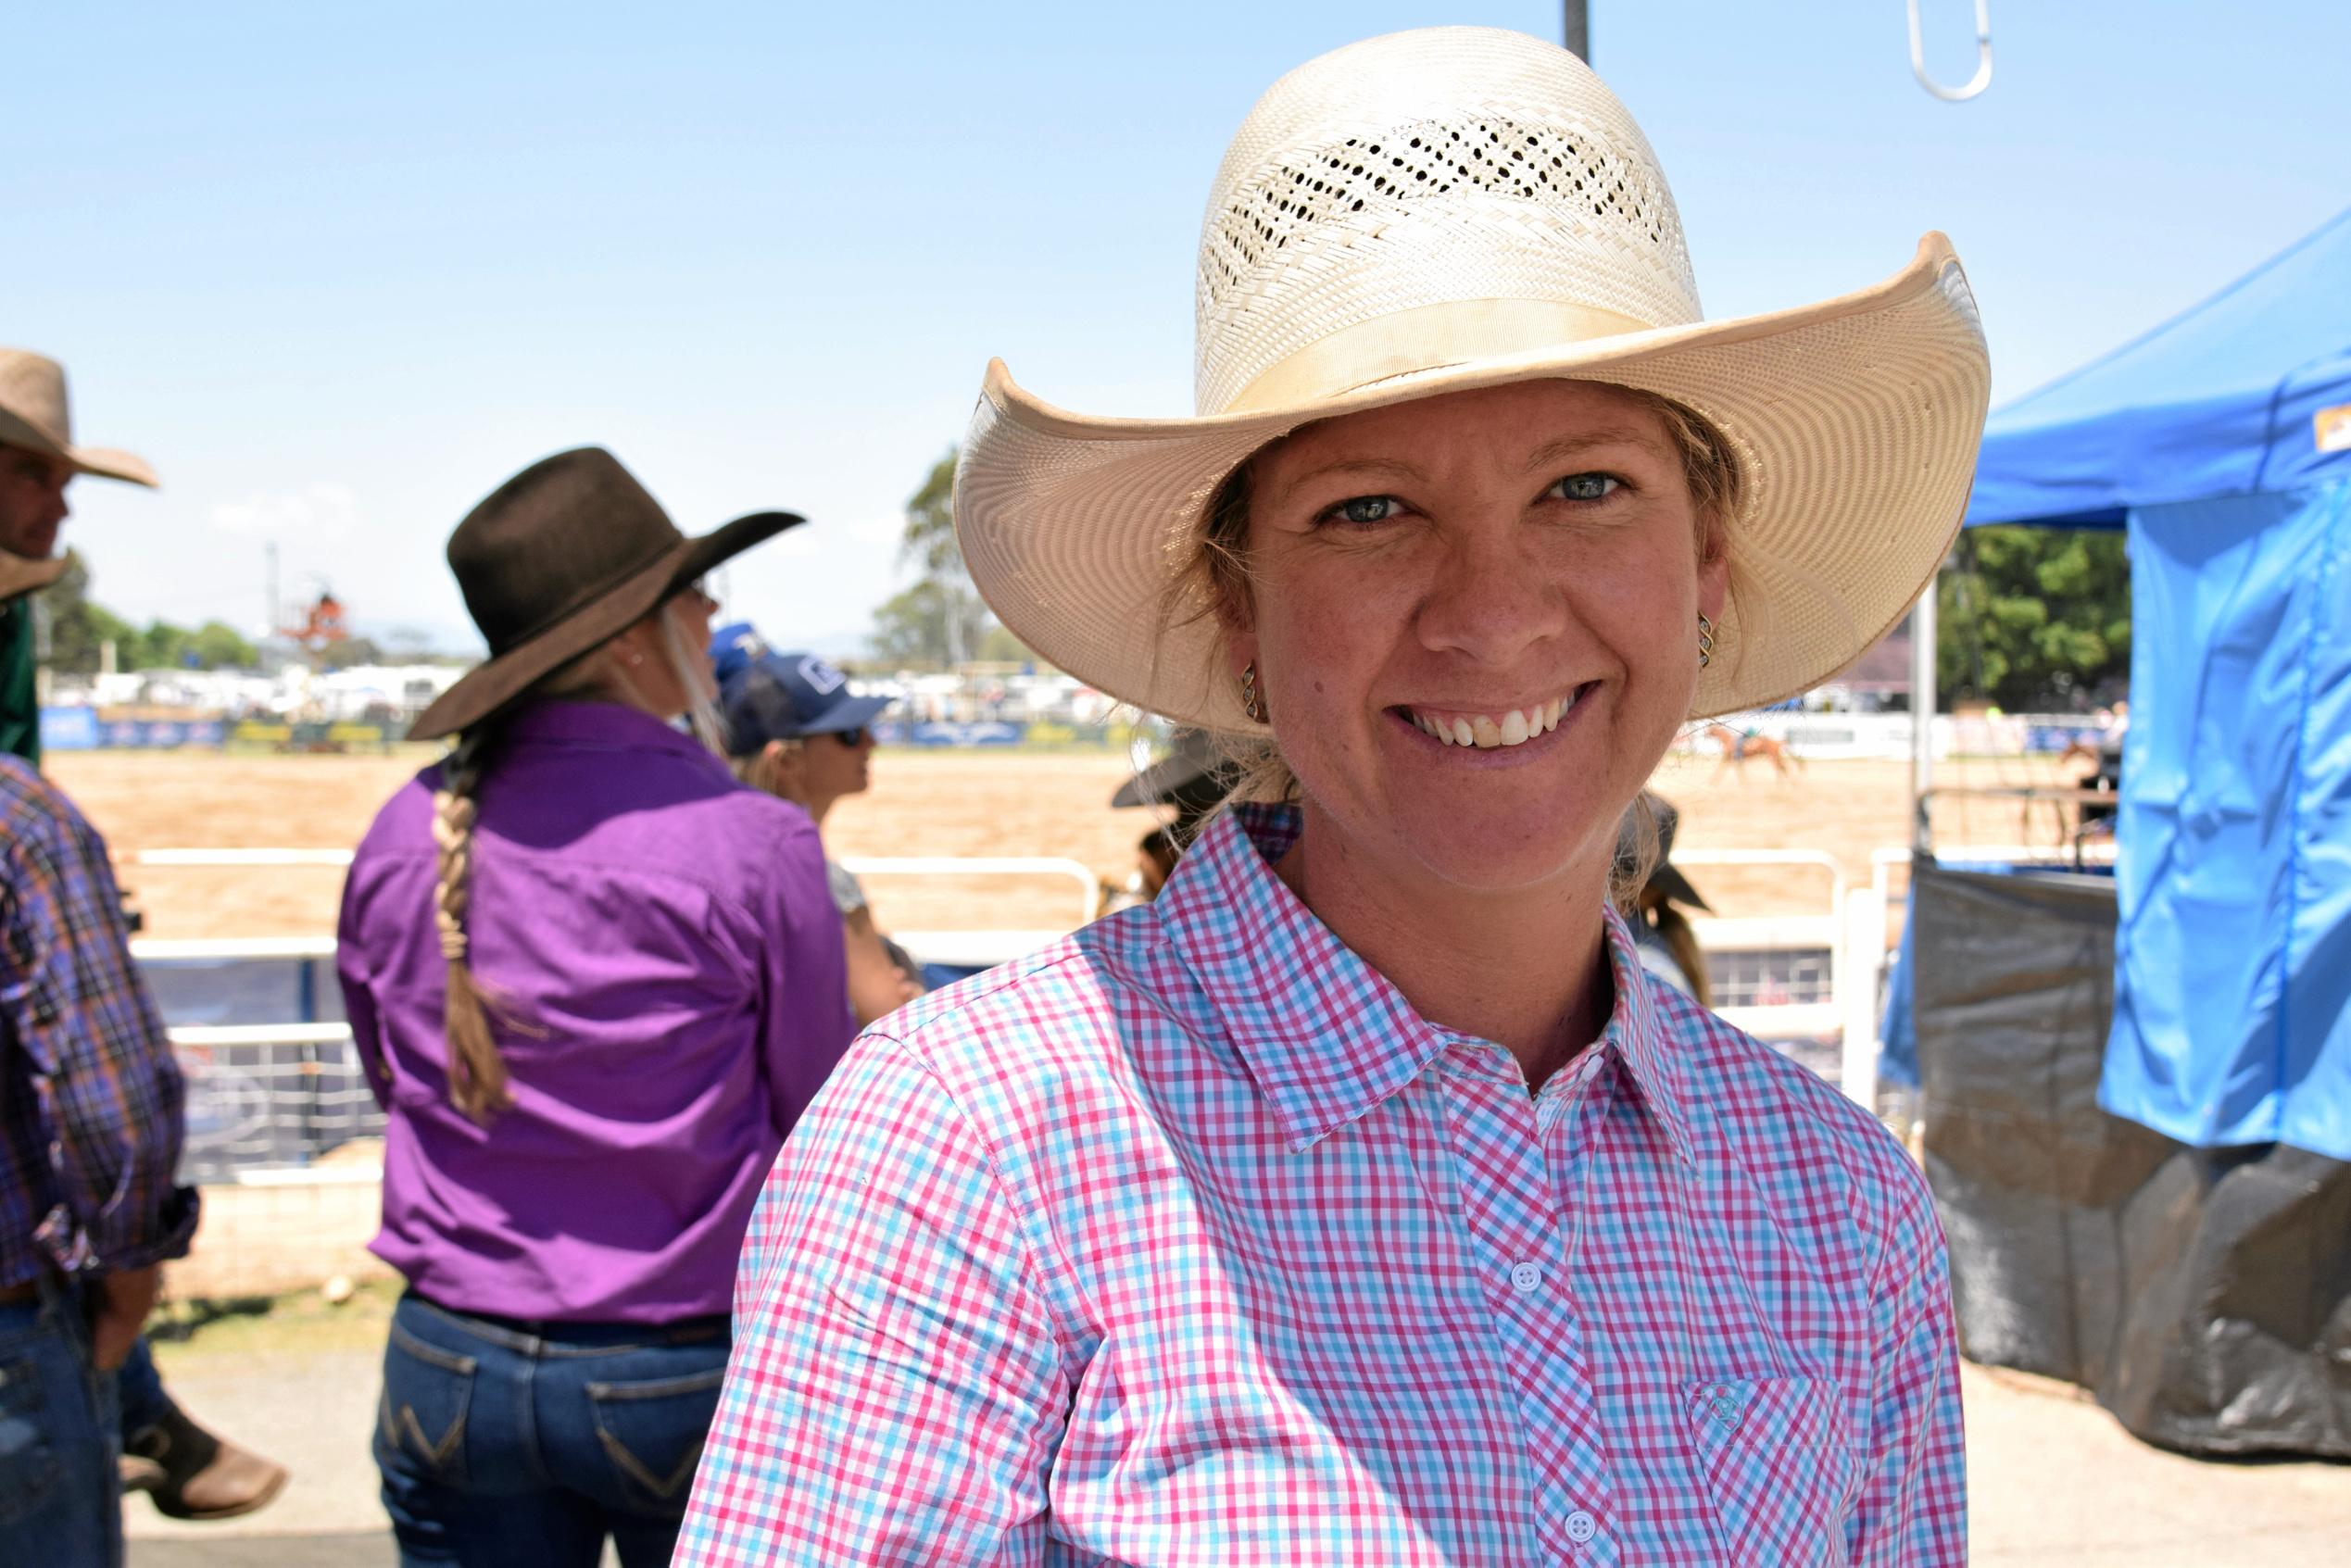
[[2222, 441]]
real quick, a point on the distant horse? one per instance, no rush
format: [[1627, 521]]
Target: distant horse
[[1738, 744]]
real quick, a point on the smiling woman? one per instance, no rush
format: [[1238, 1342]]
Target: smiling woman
[[1363, 1199]]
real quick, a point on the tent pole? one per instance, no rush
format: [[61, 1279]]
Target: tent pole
[[1922, 719]]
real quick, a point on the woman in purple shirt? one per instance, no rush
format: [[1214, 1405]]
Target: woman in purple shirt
[[594, 980]]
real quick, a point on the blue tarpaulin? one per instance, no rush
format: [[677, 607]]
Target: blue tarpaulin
[[2225, 400], [2222, 439], [2234, 952]]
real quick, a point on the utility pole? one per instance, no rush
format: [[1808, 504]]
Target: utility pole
[[1578, 30], [269, 627]]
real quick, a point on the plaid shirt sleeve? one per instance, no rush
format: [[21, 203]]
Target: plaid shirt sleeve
[[897, 1389], [1913, 1507], [106, 1112]]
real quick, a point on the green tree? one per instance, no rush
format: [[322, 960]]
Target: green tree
[[2033, 618], [78, 627], [998, 645], [161, 647], [218, 645], [941, 619], [348, 653], [930, 623]]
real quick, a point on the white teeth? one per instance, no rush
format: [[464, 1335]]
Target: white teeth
[[1516, 727]]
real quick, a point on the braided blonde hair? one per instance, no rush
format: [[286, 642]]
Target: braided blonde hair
[[477, 1073], [478, 1078]]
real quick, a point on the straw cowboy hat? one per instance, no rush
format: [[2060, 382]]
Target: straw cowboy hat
[[20, 576], [1458, 208], [35, 415], [560, 558]]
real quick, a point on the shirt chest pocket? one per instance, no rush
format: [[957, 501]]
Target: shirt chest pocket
[[1778, 1466]]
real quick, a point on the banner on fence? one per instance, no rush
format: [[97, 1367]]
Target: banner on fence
[[80, 729], [990, 731], [69, 729]]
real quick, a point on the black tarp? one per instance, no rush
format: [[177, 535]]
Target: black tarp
[[2203, 1295]]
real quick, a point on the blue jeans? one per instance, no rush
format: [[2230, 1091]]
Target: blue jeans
[[60, 1493], [145, 1404], [518, 1445]]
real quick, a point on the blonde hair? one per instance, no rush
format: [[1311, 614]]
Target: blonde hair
[[477, 1073], [478, 1079], [765, 770]]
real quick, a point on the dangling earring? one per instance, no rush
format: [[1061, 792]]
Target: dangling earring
[[1252, 704], [1705, 640]]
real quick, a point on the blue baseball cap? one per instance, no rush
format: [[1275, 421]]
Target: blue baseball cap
[[766, 696]]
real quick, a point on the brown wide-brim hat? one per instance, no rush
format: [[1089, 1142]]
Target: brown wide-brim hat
[[35, 415], [561, 558], [20, 576]]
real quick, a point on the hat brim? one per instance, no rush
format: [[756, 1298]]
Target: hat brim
[[108, 463], [1160, 783], [1857, 422], [850, 713], [103, 461], [496, 683], [1668, 880]]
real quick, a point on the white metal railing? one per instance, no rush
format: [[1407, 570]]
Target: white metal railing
[[1090, 885], [168, 947], [1854, 965], [1851, 930], [212, 1035], [241, 858]]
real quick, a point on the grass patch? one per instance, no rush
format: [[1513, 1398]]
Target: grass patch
[[186, 1330]]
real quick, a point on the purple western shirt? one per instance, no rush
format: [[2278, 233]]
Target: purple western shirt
[[666, 964]]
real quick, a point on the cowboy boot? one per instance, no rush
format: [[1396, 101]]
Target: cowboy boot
[[139, 1475], [201, 1476]]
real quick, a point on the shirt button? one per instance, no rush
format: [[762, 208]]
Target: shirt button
[[1581, 1526], [1525, 1278]]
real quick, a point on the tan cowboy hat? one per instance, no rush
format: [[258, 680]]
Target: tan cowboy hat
[[35, 415], [1458, 208], [20, 576], [561, 557]]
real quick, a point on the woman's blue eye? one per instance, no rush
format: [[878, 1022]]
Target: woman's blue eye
[[1366, 509], [1586, 487]]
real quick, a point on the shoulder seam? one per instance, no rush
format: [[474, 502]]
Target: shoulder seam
[[1033, 1275]]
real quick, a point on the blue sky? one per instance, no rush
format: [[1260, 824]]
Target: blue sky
[[338, 271]]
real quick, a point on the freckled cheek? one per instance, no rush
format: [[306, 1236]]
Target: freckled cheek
[[1320, 648]]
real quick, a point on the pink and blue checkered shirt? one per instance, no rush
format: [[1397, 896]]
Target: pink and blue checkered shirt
[[1188, 1241]]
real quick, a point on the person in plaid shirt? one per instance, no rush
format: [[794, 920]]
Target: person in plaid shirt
[[1361, 1200], [90, 1131]]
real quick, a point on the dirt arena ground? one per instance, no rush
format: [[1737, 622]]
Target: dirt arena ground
[[945, 803]]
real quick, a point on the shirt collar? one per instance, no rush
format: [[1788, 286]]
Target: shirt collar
[[1640, 1036], [1326, 1036]]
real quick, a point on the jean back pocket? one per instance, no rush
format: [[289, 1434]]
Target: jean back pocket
[[421, 1420], [652, 1433]]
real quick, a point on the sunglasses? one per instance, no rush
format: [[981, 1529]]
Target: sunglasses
[[852, 738]]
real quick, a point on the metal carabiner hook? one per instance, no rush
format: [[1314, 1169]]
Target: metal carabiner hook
[[1976, 83]]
